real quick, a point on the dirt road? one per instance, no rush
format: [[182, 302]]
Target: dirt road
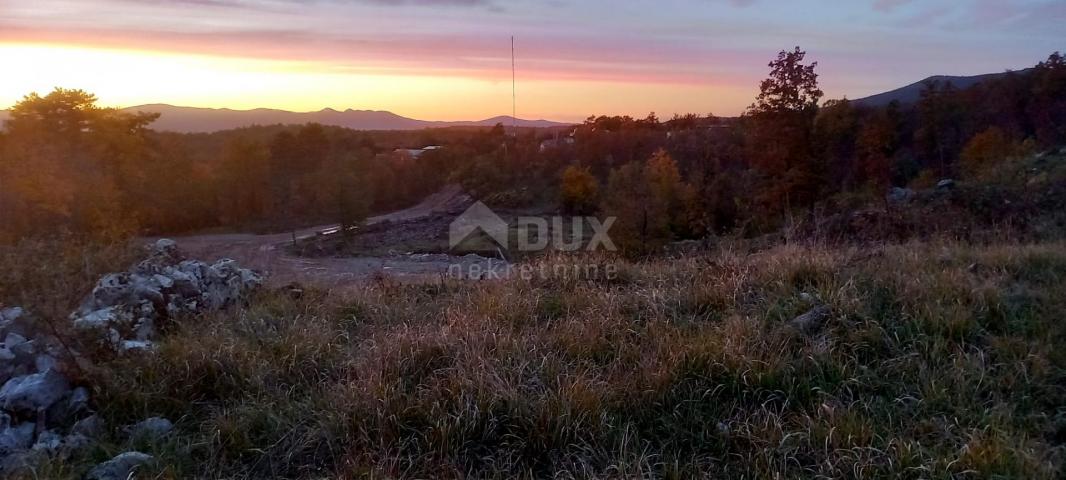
[[266, 253]]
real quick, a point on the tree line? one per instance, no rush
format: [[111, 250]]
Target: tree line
[[68, 164], [789, 152]]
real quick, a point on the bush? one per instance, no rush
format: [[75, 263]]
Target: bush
[[580, 190], [985, 150]]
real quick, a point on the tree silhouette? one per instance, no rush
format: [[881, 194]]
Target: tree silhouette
[[780, 129]]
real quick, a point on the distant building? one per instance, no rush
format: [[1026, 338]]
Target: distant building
[[416, 152], [558, 142]]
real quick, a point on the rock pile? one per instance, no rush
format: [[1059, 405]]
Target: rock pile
[[42, 415], [125, 308], [37, 402]]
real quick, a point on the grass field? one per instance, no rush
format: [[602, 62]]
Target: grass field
[[937, 360]]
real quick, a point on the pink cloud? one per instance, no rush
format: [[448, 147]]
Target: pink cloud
[[540, 57]]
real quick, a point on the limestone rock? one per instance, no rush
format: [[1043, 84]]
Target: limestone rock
[[68, 409], [91, 427], [15, 437], [72, 444], [136, 346], [120, 467], [811, 321], [899, 196], [126, 308], [48, 441], [14, 319], [151, 429], [30, 393]]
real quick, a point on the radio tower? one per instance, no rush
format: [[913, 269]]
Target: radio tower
[[514, 95]]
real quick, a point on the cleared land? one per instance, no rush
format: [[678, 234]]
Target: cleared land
[[269, 253]]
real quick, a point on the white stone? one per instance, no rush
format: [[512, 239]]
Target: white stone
[[48, 441], [15, 438], [28, 393], [91, 427], [164, 282], [45, 362], [97, 320], [136, 346], [151, 429], [119, 468]]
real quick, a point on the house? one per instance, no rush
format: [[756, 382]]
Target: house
[[558, 142], [416, 152]]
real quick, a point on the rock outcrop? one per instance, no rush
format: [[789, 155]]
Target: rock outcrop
[[125, 309], [36, 398], [42, 415]]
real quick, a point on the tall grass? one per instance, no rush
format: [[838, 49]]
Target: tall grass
[[937, 361]]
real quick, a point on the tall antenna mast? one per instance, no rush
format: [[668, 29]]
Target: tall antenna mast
[[514, 95]]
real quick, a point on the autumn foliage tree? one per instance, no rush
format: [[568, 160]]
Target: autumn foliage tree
[[641, 223], [579, 191], [667, 188], [780, 129], [68, 163], [875, 145], [985, 149], [646, 198]]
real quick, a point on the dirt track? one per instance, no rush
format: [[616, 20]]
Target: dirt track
[[266, 253]]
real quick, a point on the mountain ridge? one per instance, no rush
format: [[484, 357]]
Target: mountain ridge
[[200, 120], [204, 120], [910, 94]]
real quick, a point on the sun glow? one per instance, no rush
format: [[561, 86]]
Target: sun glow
[[131, 77], [121, 78]]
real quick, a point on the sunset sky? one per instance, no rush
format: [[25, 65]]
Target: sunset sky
[[450, 59]]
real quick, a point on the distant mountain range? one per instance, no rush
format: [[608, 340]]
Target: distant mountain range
[[913, 92], [193, 120], [189, 119], [196, 120]]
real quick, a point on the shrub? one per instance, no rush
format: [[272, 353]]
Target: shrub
[[580, 190], [984, 150]]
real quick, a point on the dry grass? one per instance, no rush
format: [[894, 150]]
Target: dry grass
[[938, 361]]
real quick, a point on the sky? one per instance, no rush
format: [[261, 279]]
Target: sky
[[451, 59]]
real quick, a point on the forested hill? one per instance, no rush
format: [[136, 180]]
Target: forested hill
[[202, 120], [913, 92], [193, 120]]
